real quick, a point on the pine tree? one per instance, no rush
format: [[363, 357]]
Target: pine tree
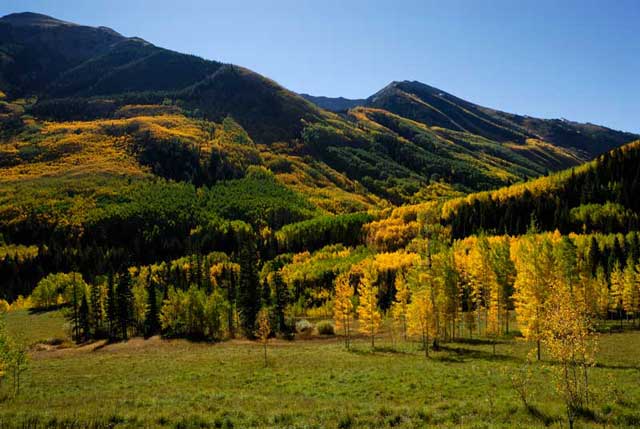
[[83, 319], [280, 300], [112, 306], [124, 304], [249, 286], [75, 308], [343, 307], [97, 310], [152, 316], [368, 314]]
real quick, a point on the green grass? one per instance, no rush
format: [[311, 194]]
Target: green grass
[[307, 384]]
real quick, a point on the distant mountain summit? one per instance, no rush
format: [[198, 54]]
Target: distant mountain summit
[[334, 104], [436, 108]]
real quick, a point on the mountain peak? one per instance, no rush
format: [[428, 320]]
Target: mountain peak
[[32, 18]]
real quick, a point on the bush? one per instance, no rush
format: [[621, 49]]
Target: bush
[[325, 328], [304, 327]]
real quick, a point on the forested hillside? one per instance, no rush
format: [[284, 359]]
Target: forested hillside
[[600, 196]]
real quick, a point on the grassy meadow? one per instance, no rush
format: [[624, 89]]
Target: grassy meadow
[[311, 383]]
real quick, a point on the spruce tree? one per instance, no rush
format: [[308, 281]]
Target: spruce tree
[[112, 307], [124, 303], [83, 319], [96, 311], [152, 317], [281, 299], [248, 286]]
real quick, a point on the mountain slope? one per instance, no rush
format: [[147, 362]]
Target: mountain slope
[[599, 196], [435, 107], [65, 82]]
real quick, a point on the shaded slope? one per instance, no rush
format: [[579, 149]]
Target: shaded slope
[[435, 107], [598, 196]]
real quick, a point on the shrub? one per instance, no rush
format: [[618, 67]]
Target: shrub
[[304, 327], [325, 328]]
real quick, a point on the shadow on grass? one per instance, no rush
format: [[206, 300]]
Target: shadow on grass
[[34, 311], [383, 349], [605, 366], [464, 353], [545, 418]]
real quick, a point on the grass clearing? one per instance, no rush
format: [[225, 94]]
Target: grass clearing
[[308, 384]]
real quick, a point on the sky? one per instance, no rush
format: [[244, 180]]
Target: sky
[[574, 59]]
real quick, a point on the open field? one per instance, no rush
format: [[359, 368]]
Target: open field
[[308, 383]]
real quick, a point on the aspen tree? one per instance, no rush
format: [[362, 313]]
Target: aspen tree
[[264, 330], [630, 298], [400, 305], [534, 264], [368, 314], [420, 317], [568, 335], [602, 293], [343, 307], [615, 292]]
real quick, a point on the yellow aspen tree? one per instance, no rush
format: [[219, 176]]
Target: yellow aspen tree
[[630, 296], [534, 266], [601, 287], [400, 305], [343, 307], [493, 315], [615, 293], [569, 338], [264, 330], [420, 317], [485, 287], [369, 317]]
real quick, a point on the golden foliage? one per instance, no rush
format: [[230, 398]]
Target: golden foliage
[[369, 316]]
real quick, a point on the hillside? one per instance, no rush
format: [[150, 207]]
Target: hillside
[[429, 105], [600, 196], [404, 137]]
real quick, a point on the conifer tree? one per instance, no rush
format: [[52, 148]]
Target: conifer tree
[[280, 300], [369, 316], [152, 316], [112, 306], [83, 319], [343, 307], [124, 303], [97, 310], [249, 296]]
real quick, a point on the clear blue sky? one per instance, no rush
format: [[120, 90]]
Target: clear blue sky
[[548, 58]]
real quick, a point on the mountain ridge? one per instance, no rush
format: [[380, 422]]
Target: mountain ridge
[[393, 144]]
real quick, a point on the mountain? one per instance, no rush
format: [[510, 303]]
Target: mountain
[[334, 104], [155, 113], [432, 106]]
